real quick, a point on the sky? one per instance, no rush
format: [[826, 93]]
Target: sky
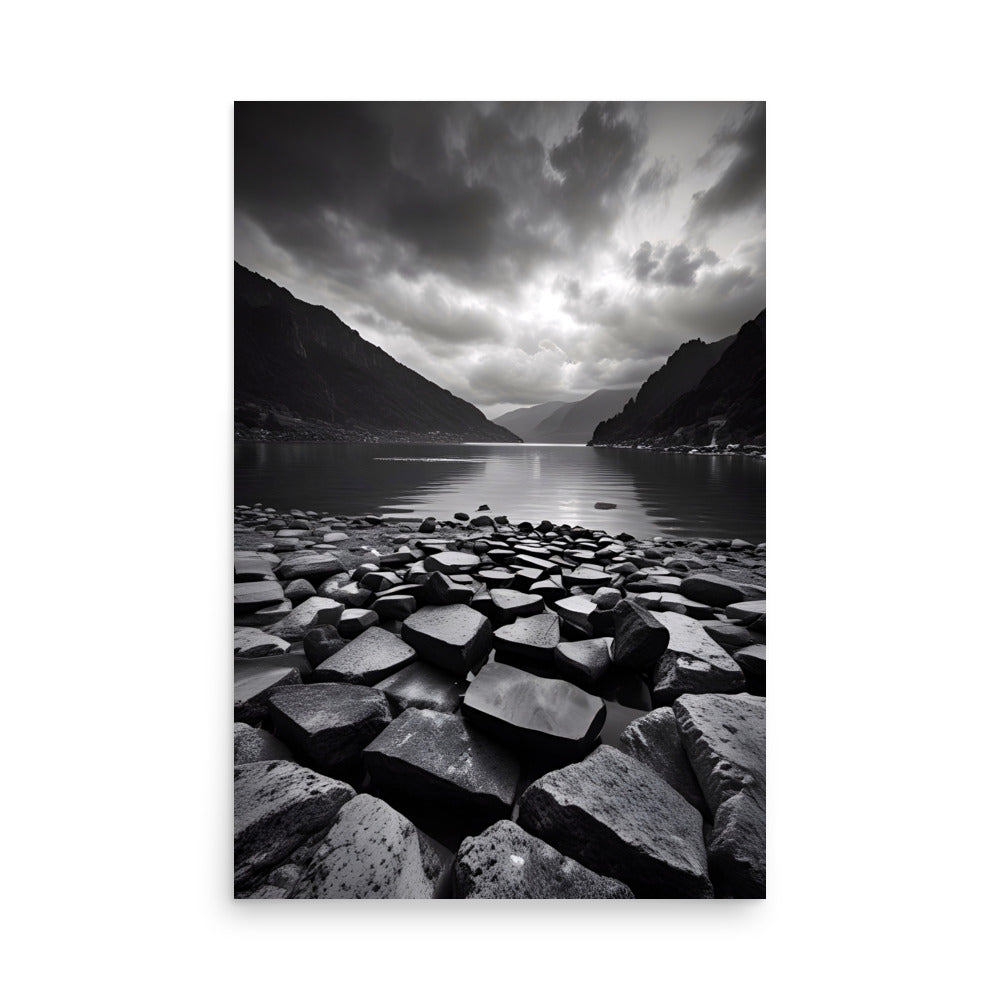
[[511, 253]]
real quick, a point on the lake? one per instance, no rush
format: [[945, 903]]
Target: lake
[[716, 496]]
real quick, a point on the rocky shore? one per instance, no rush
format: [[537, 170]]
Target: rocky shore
[[477, 709], [658, 444]]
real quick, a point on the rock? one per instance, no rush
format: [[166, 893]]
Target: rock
[[253, 683], [586, 579], [602, 505], [254, 642], [575, 610], [605, 598], [371, 852], [352, 595], [278, 808], [434, 759], [428, 525], [247, 568], [299, 590], [461, 516], [332, 537], [617, 817], [506, 862], [453, 636], [681, 605], [654, 740], [251, 745], [451, 563], [693, 663], [640, 638], [717, 591], [368, 659], [483, 521], [256, 594], [533, 638], [753, 663], [308, 615], [312, 566], [509, 605], [354, 621], [421, 685], [540, 717], [752, 613], [395, 607], [441, 589], [496, 577], [321, 643], [724, 739], [730, 637], [584, 662], [328, 725]]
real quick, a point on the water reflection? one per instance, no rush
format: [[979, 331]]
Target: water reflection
[[681, 494]]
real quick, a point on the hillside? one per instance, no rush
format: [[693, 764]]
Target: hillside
[[564, 423], [301, 373]]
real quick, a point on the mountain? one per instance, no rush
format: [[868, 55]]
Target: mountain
[[525, 419], [301, 373], [564, 423], [725, 406]]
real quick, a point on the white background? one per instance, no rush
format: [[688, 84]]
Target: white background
[[117, 393]]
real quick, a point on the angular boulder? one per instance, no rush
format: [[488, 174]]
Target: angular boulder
[[422, 685], [453, 636], [253, 642], [507, 862], [368, 659], [540, 717], [328, 725], [312, 566], [251, 745], [256, 594], [533, 638], [310, 613], [615, 816], [723, 736], [252, 685], [371, 852], [278, 808], [451, 563], [430, 758], [640, 638], [717, 591], [585, 662], [693, 663]]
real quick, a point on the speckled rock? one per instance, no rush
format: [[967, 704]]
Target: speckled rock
[[422, 685], [451, 563], [368, 659], [585, 662], [533, 638], [371, 852], [717, 591], [723, 736], [731, 637], [321, 643], [255, 594], [509, 605], [453, 637], [619, 818], [328, 725], [433, 758], [693, 663], [354, 621], [253, 642], [507, 862], [310, 613], [545, 718], [576, 610], [252, 685], [313, 566], [640, 639], [654, 740], [251, 745], [278, 807]]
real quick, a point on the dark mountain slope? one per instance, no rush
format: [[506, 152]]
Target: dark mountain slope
[[525, 419], [299, 370], [574, 423], [727, 406]]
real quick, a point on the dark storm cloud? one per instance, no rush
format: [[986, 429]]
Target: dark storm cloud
[[741, 185], [675, 265], [657, 179]]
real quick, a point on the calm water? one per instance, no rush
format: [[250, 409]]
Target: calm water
[[709, 495]]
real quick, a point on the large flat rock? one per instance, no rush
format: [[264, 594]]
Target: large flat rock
[[723, 736], [253, 683], [255, 594], [278, 807], [451, 563], [312, 612], [253, 642], [432, 758], [368, 659], [371, 852], [507, 862], [655, 740], [509, 605], [328, 725], [533, 638], [615, 816], [453, 637], [422, 685], [539, 717], [717, 591], [693, 663], [312, 566]]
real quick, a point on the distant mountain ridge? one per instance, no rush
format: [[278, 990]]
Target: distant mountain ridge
[[725, 406], [564, 422], [301, 372]]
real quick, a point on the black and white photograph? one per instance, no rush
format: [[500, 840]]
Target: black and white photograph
[[499, 482]]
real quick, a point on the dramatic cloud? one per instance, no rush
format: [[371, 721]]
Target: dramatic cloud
[[512, 253]]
